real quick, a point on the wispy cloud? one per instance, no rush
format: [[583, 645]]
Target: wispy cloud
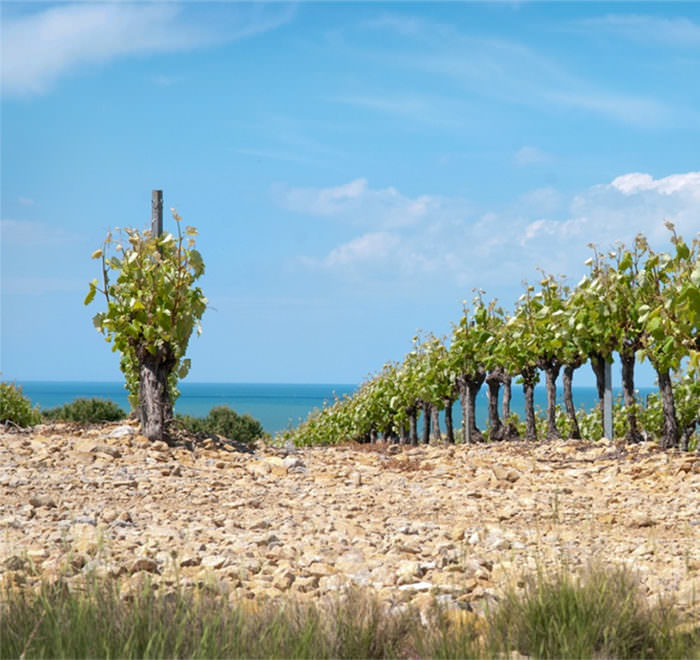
[[638, 110], [42, 46], [495, 247], [39, 285], [422, 108], [31, 233], [26, 201], [531, 156], [274, 154], [370, 247], [514, 72], [637, 182], [677, 32], [357, 204], [163, 80]]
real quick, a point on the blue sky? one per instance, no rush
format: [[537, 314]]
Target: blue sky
[[354, 170]]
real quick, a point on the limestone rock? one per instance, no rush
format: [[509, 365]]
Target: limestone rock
[[213, 562], [38, 501], [144, 564], [314, 521], [106, 449]]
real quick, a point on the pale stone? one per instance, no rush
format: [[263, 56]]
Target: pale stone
[[144, 564], [464, 527], [277, 465], [457, 533], [38, 501], [416, 586], [641, 520], [408, 571], [123, 431], [37, 555], [283, 578], [106, 449], [213, 562]]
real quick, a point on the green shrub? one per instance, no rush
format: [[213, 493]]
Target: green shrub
[[224, 421], [96, 622], [600, 613], [86, 411], [17, 408]]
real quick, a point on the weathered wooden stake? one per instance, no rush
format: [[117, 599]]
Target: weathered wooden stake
[[157, 212], [607, 403]]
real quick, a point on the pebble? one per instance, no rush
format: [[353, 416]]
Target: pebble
[[42, 501], [311, 521]]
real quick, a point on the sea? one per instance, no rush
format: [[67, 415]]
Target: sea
[[278, 406]]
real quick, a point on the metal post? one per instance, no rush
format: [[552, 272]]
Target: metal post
[[157, 212], [607, 403]]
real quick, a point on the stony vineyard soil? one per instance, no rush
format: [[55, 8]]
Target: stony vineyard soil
[[456, 522]]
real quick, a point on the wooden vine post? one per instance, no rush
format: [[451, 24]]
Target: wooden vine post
[[157, 212]]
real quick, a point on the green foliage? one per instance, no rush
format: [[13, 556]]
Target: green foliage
[[226, 422], [95, 622], [152, 302], [86, 411], [15, 407], [634, 301], [600, 613]]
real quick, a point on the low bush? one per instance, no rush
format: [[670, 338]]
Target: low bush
[[600, 613], [226, 422], [15, 408], [86, 411], [96, 622]]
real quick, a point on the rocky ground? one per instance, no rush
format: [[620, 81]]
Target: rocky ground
[[457, 523]]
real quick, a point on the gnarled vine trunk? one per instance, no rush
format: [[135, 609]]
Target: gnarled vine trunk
[[551, 373], [449, 430], [473, 386], [598, 366], [412, 425], [529, 375], [511, 431], [463, 397], [493, 383], [403, 433], [627, 359], [567, 379], [155, 410], [425, 439], [435, 422], [670, 437]]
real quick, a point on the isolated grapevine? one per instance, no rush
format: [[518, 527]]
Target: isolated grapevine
[[153, 306]]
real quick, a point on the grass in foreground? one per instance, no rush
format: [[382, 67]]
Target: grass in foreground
[[599, 615]]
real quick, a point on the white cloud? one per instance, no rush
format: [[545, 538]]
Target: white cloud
[[423, 108], [372, 246], [531, 156], [356, 203], [26, 201], [627, 108], [163, 80], [449, 244], [514, 73], [630, 184], [40, 47], [31, 233], [679, 31], [540, 200]]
